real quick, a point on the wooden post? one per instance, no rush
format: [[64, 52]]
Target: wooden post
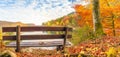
[[66, 35], [18, 29]]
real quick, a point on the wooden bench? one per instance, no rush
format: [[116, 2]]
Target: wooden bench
[[18, 37]]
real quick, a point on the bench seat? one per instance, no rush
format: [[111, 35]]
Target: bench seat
[[39, 44]]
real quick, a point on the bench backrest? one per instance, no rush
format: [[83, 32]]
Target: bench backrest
[[18, 37]]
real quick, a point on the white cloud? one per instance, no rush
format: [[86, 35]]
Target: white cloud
[[83, 2], [38, 16]]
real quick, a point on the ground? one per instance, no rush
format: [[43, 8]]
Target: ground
[[101, 47]]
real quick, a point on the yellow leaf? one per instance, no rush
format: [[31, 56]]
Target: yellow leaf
[[111, 52]]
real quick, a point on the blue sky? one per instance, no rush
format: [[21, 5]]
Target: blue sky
[[34, 11]]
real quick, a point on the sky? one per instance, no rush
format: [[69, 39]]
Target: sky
[[35, 11]]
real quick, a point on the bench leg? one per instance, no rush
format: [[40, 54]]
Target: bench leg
[[59, 48], [17, 50]]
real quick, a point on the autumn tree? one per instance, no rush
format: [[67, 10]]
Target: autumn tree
[[110, 14], [96, 17], [109, 17]]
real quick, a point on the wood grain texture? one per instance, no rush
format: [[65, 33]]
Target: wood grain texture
[[34, 37], [35, 28]]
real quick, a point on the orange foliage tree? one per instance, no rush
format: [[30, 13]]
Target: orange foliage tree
[[85, 15], [109, 15]]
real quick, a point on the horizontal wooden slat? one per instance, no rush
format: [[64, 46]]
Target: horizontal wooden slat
[[31, 45], [34, 37], [38, 44], [35, 28]]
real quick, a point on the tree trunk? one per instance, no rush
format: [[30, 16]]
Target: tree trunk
[[96, 18], [113, 21]]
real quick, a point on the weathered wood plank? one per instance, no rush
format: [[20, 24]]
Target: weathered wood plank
[[35, 28], [38, 44], [34, 37]]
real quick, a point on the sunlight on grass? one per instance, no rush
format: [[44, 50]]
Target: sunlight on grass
[[0, 39], [0, 33], [81, 34]]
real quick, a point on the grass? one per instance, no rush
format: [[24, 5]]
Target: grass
[[81, 34]]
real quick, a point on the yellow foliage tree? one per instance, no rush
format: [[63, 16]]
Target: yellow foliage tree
[[109, 14]]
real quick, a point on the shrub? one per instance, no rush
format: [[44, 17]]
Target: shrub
[[83, 33]]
